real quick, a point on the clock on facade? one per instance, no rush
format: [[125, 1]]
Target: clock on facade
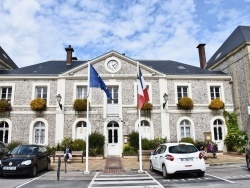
[[112, 65]]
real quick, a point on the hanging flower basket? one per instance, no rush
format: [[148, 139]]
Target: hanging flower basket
[[185, 103], [216, 104], [5, 105], [147, 106], [80, 105], [38, 104]]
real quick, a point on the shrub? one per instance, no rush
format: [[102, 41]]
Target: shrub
[[216, 104], [151, 144], [13, 144], [51, 150], [127, 149], [66, 141], [38, 104], [79, 145], [188, 140], [133, 140], [80, 104], [235, 138], [185, 103], [96, 143], [147, 106], [199, 143], [4, 105]]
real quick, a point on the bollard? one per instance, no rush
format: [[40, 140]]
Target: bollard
[[65, 161], [58, 168], [65, 167]]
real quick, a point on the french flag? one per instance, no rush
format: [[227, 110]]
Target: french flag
[[142, 94]]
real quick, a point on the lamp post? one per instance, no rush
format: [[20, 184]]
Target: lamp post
[[58, 98], [165, 96]]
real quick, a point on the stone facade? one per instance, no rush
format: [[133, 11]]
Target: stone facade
[[164, 123], [237, 64]]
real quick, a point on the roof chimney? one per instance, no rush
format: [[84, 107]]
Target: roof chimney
[[69, 51], [202, 55]]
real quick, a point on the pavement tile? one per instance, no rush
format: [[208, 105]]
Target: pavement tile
[[132, 163]]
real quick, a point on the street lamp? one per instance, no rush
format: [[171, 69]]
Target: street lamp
[[58, 98], [165, 97]]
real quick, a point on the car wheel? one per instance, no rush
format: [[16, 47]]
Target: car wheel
[[151, 167], [164, 172], [34, 171], [248, 162], [200, 174]]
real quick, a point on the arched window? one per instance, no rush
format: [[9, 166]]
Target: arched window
[[81, 130], [218, 133], [4, 132], [145, 129], [39, 133], [185, 127]]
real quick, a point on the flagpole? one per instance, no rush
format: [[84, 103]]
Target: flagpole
[[88, 124], [140, 147]]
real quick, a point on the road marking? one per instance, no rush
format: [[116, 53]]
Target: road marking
[[154, 179], [220, 178], [92, 181], [33, 179]]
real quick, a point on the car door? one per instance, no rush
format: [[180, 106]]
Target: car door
[[41, 158], [154, 157], [161, 156]]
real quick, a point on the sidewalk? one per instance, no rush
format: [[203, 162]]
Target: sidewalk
[[132, 163]]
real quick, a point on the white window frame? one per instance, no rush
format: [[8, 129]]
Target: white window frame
[[178, 127], [12, 85], [79, 84], [73, 128], [4, 129], [151, 125], [32, 127], [222, 96], [189, 90], [38, 128], [111, 90], [35, 85]]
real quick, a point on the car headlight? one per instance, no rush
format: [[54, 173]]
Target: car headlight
[[0, 162], [28, 162]]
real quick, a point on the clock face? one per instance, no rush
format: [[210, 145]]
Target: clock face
[[112, 65]]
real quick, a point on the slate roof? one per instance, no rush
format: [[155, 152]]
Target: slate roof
[[175, 68], [239, 36], [54, 68], [5, 58]]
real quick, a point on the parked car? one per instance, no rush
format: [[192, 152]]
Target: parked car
[[3, 149], [173, 158], [248, 156], [25, 159]]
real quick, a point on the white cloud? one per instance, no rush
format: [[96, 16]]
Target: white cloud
[[33, 31]]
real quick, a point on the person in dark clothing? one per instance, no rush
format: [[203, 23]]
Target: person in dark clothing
[[67, 154]]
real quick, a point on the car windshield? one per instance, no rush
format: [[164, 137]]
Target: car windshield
[[182, 149], [24, 150]]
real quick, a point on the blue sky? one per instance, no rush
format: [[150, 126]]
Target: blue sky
[[34, 31]]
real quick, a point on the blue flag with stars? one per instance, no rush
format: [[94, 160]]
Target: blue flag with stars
[[96, 81]]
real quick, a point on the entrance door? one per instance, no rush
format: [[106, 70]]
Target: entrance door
[[113, 139], [218, 134]]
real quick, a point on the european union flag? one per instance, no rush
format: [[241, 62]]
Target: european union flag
[[96, 81]]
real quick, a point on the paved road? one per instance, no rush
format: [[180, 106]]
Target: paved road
[[131, 179], [229, 176], [235, 176]]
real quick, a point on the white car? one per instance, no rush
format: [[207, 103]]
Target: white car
[[173, 158]]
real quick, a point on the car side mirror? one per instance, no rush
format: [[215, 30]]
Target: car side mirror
[[152, 152]]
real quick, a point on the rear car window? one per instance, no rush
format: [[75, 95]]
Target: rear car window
[[182, 149]]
